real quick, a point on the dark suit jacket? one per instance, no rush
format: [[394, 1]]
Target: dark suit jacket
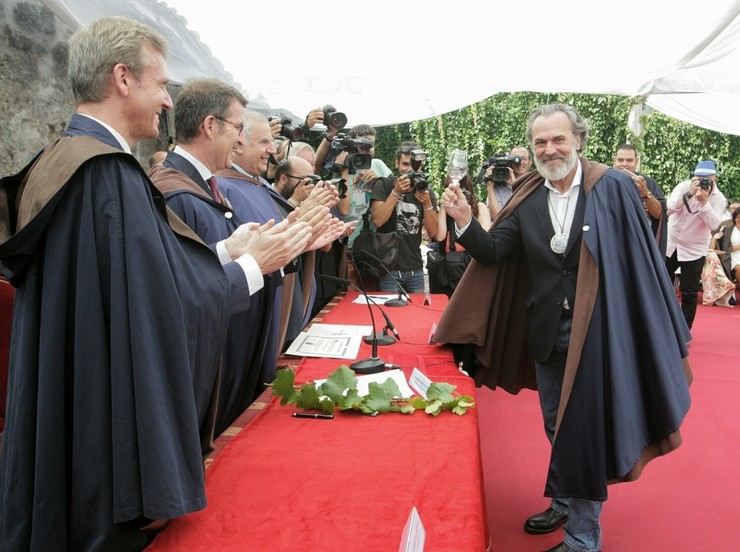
[[178, 162], [528, 231]]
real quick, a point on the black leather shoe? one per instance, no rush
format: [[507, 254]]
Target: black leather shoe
[[559, 548], [546, 522]]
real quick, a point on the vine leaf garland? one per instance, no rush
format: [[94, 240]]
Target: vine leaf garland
[[340, 391]]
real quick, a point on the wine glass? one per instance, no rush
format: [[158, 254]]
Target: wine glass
[[457, 165]]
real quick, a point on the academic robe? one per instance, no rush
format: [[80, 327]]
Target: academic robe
[[255, 200], [625, 390], [119, 321], [249, 353]]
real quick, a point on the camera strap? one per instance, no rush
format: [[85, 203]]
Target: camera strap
[[686, 202]]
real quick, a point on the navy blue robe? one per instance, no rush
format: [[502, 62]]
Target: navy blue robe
[[249, 353], [118, 328]]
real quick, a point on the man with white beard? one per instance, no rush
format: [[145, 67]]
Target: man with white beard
[[568, 294]]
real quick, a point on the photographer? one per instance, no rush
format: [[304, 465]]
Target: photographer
[[325, 153], [499, 174], [695, 209], [289, 140], [356, 201], [401, 204]]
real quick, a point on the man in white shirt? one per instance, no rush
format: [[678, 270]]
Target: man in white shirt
[[695, 209]]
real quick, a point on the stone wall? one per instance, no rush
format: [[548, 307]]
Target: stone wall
[[35, 97]]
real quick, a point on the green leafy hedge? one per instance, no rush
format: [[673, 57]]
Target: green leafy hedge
[[669, 149]]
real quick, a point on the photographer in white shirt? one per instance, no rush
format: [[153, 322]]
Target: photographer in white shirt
[[695, 208]]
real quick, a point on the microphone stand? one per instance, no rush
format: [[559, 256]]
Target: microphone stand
[[374, 364], [383, 337], [399, 302]]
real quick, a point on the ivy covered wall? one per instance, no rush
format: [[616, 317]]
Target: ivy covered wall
[[669, 149]]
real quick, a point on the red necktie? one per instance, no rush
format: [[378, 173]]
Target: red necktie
[[214, 189]]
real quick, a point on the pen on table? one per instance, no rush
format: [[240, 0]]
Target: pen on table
[[319, 416]]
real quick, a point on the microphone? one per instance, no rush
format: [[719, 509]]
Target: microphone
[[401, 292], [383, 338], [374, 364]]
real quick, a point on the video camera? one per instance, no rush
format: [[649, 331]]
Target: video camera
[[418, 179], [293, 133], [501, 163], [354, 161]]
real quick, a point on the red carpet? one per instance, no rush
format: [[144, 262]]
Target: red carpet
[[686, 501]]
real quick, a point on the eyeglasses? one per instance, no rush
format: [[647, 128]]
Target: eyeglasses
[[239, 127], [312, 177]]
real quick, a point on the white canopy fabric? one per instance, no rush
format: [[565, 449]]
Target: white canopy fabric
[[386, 62]]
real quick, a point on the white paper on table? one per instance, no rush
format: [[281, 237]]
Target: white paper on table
[[329, 341], [363, 382], [378, 299]]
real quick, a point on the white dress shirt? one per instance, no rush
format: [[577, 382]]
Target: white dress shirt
[[691, 232]]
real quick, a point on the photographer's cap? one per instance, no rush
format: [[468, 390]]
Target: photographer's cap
[[705, 168]]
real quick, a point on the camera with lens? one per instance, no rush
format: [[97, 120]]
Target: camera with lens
[[334, 118], [354, 161], [417, 178], [705, 184], [501, 163], [294, 133], [341, 186]]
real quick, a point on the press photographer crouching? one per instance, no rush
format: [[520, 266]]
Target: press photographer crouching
[[695, 209], [404, 204]]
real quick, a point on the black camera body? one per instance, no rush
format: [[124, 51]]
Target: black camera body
[[293, 133], [418, 179], [705, 184], [341, 185], [501, 163], [354, 161]]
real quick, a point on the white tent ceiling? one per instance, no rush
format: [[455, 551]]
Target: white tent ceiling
[[385, 62]]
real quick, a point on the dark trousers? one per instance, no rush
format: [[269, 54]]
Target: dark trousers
[[690, 281]]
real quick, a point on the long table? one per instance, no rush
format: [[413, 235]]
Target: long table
[[291, 484]]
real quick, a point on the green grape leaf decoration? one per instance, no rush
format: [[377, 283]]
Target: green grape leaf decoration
[[339, 391]]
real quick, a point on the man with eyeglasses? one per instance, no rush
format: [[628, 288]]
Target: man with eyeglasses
[[209, 123], [294, 188], [398, 206]]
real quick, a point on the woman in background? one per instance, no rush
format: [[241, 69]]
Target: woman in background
[[457, 171]]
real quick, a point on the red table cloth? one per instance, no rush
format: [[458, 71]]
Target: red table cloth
[[290, 484]]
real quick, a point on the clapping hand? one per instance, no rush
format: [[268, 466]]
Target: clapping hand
[[271, 245]]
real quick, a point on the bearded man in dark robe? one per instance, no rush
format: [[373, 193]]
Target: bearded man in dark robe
[[568, 294]]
